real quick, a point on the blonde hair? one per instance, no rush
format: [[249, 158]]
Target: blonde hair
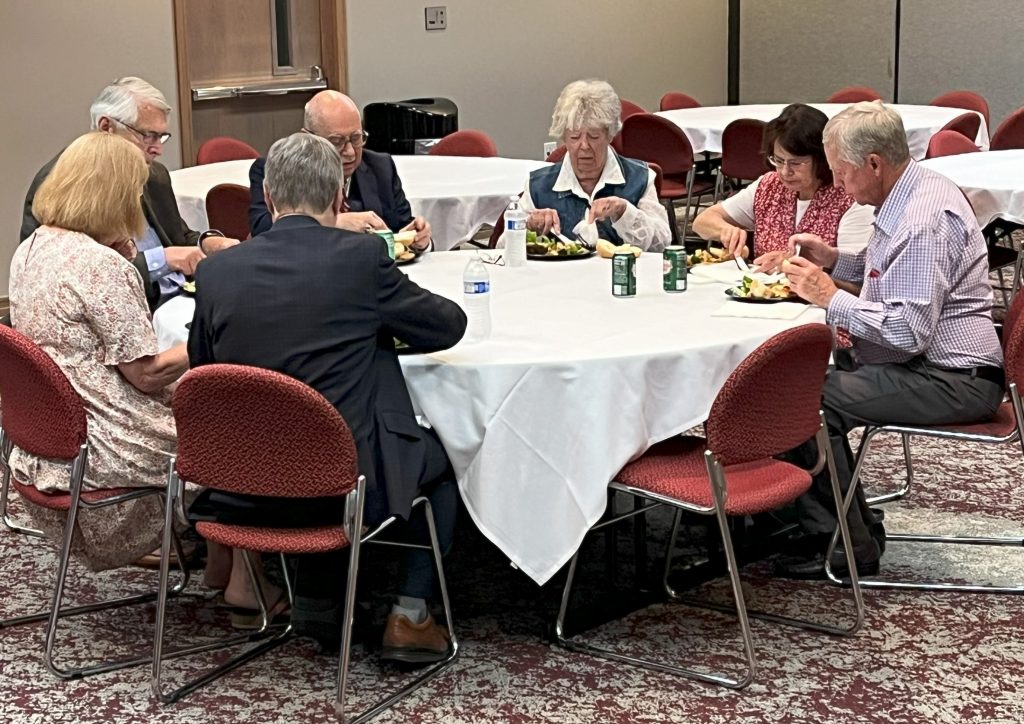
[[95, 188]]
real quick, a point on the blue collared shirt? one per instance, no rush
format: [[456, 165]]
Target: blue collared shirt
[[156, 263]]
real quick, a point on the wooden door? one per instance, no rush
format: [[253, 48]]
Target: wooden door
[[246, 68]]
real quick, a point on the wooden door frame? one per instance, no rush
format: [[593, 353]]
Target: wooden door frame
[[333, 51]]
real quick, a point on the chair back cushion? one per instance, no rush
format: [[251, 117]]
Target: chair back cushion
[[964, 99], [629, 108], [558, 154], [950, 143], [772, 400], [227, 208], [966, 123], [465, 143], [741, 149], [657, 140], [1010, 133], [674, 101], [42, 412], [224, 148], [854, 94], [256, 432]]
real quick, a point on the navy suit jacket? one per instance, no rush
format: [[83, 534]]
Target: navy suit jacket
[[375, 187], [324, 305]]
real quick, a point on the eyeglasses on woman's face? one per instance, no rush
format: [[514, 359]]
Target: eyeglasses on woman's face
[[793, 164]]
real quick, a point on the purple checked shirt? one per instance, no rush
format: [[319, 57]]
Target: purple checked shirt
[[925, 280]]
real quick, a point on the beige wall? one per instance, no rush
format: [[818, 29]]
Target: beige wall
[[56, 56], [503, 63]]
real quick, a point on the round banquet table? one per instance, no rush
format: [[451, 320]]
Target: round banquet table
[[457, 195], [572, 384], [704, 125], [993, 182]]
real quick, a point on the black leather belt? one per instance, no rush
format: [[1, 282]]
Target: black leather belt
[[992, 374]]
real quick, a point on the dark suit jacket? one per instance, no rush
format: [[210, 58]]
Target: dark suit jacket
[[324, 305], [375, 187], [160, 208]]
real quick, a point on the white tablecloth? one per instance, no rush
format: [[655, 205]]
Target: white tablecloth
[[704, 126], [993, 181], [457, 195], [572, 385]]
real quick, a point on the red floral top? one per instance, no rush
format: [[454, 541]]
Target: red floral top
[[775, 212]]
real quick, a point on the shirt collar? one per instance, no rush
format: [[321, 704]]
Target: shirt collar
[[610, 176], [889, 214]]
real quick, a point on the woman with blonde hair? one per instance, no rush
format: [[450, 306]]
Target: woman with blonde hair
[[75, 293]]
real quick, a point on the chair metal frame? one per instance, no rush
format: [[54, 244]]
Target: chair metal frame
[[717, 480], [272, 635], [906, 431], [52, 616]]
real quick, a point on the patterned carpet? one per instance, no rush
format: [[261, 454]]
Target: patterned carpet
[[919, 658]]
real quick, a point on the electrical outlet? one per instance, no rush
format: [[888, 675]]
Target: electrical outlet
[[436, 17]]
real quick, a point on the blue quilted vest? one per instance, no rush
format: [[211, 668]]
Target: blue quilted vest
[[572, 209]]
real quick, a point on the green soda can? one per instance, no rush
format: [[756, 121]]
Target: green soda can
[[623, 274], [389, 237], [674, 269]]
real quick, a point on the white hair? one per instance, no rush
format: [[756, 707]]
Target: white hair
[[122, 99], [586, 104], [865, 128], [303, 171]]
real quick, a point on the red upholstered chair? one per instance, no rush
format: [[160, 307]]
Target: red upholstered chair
[[733, 472], [742, 159], [629, 108], [43, 415], [557, 155], [674, 101], [968, 100], [659, 177], [949, 143], [224, 148], [1005, 428], [252, 431], [1010, 133], [854, 94], [227, 208], [967, 124], [657, 140], [465, 143]]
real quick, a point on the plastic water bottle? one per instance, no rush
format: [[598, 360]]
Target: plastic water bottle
[[476, 288], [515, 234]]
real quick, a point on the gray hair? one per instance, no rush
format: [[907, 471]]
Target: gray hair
[[122, 99], [586, 104], [303, 171], [865, 128]]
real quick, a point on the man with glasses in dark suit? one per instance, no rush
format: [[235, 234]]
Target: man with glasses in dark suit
[[372, 192]]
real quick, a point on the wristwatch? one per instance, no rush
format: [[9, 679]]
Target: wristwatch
[[206, 235]]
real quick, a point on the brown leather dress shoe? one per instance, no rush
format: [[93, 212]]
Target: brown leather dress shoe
[[414, 643]]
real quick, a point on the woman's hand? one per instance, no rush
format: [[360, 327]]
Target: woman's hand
[[770, 262], [734, 239], [609, 206], [543, 220]]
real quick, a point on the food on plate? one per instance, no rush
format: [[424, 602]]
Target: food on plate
[[543, 246], [403, 253], [189, 287], [607, 249], [405, 237], [713, 255], [752, 288]]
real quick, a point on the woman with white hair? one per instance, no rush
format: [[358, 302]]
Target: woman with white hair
[[593, 184]]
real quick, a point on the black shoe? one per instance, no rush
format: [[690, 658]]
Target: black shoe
[[813, 568]]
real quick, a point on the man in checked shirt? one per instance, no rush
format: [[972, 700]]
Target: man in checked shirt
[[925, 351]]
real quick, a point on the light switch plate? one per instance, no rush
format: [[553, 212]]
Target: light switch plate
[[436, 17]]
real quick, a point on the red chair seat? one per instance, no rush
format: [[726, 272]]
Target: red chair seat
[[275, 540], [674, 189], [62, 501], [675, 468], [1001, 425]]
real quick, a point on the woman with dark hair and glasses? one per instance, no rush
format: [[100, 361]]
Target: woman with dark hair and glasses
[[796, 197]]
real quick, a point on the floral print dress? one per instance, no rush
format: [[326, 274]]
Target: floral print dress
[[84, 305]]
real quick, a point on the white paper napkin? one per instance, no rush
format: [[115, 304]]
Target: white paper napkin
[[778, 310]]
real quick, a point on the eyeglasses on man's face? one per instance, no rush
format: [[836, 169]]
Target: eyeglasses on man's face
[[147, 137], [792, 164], [357, 140]]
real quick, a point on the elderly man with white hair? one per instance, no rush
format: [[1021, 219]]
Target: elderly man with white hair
[[168, 250], [924, 349], [596, 185]]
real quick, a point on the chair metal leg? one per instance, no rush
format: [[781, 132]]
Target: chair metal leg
[[907, 481], [689, 198], [670, 208], [6, 445]]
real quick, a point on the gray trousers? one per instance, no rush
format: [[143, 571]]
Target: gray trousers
[[914, 393]]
